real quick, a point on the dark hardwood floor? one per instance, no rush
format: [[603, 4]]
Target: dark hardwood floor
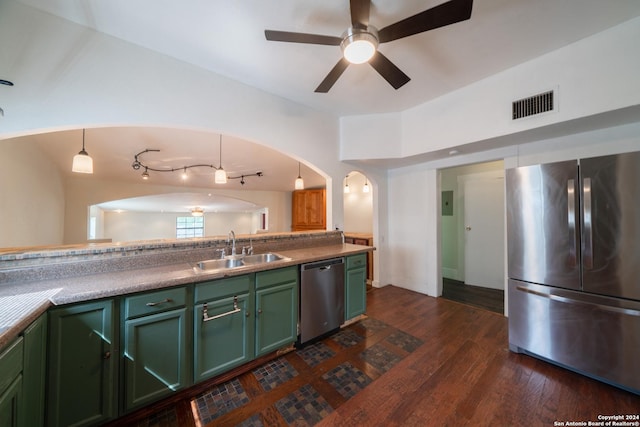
[[465, 375], [489, 299], [444, 363]]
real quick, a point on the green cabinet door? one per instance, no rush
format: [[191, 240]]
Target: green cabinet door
[[34, 372], [155, 357], [10, 403], [11, 384], [276, 309], [82, 371], [355, 287], [221, 343]]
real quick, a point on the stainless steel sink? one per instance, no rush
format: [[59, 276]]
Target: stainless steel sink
[[218, 264], [262, 258], [236, 261]]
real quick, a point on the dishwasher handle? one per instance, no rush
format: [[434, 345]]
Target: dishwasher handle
[[322, 265]]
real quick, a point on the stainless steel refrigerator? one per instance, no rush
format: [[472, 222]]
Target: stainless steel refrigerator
[[573, 232]]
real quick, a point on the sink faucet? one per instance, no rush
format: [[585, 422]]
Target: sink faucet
[[248, 250], [232, 237]]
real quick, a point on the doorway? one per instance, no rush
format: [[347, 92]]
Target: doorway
[[358, 216], [472, 234]]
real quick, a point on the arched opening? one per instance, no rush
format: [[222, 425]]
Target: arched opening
[[48, 204], [358, 192]]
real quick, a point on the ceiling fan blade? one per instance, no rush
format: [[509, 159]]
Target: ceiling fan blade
[[388, 70], [360, 13], [285, 36], [333, 76], [445, 14]]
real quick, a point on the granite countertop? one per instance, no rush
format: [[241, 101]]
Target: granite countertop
[[22, 303]]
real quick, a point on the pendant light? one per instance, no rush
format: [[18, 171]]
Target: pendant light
[[299, 184], [221, 175], [346, 185], [82, 162], [365, 189]]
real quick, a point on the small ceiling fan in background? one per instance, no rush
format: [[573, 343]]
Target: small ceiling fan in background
[[359, 43]]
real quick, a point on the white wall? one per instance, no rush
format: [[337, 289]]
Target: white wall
[[128, 226], [31, 197]]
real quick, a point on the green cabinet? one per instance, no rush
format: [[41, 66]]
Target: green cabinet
[[154, 346], [355, 286], [81, 371], [223, 325], [22, 377], [34, 372], [276, 309], [11, 385]]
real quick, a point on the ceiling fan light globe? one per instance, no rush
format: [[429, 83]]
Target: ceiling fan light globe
[[359, 52], [359, 46]]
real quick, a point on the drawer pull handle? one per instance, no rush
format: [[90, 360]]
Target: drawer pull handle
[[153, 304], [236, 309]]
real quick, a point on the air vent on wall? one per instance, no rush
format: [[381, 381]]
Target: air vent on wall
[[532, 105]]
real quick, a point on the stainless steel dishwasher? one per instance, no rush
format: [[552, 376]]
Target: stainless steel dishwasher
[[321, 298]]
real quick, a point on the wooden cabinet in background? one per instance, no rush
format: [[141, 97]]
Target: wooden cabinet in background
[[365, 239], [309, 210]]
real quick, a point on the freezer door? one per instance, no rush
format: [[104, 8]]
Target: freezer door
[[595, 335], [542, 224], [611, 232]]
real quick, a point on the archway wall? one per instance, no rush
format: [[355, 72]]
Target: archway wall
[[67, 76]]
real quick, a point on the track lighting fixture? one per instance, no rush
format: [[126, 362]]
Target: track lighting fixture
[[82, 162], [365, 188], [220, 176], [346, 185]]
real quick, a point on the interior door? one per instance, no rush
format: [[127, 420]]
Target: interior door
[[484, 230]]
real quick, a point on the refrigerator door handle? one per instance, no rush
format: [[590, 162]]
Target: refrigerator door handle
[[587, 255], [571, 219]]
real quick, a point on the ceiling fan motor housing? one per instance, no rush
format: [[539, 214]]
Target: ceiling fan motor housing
[[359, 44]]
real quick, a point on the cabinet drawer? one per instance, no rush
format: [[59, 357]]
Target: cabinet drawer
[[154, 302], [356, 261], [10, 364], [216, 289], [275, 277]]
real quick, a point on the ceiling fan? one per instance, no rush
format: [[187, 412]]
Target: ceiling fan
[[359, 43]]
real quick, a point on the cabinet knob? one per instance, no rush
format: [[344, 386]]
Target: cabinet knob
[[107, 355], [247, 314], [259, 311]]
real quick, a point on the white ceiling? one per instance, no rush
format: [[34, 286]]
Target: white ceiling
[[181, 203], [227, 37]]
